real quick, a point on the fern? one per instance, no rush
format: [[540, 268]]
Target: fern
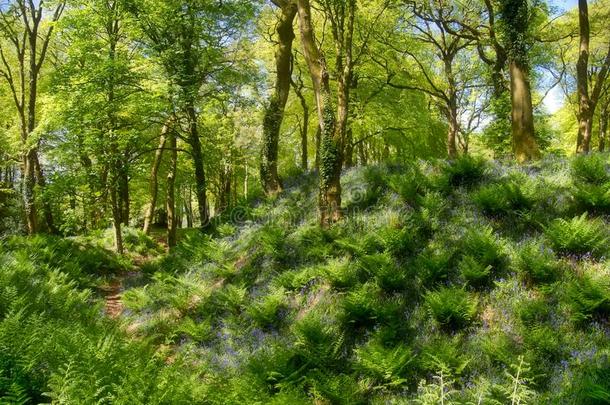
[[579, 236]]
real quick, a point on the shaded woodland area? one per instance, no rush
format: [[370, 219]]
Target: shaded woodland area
[[304, 201]]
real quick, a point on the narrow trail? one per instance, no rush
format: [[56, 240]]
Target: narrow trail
[[113, 291], [112, 294]]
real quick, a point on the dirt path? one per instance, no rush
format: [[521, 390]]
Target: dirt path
[[112, 295]]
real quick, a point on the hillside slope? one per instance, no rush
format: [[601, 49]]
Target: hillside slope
[[470, 282]]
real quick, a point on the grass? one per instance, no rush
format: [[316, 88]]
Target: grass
[[467, 282]]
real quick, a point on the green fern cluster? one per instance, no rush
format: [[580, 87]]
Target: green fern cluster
[[579, 235]]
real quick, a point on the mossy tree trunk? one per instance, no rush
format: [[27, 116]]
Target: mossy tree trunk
[[515, 14], [274, 113], [330, 160]]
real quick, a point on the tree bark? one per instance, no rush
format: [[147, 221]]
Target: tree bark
[[304, 128], [524, 142], [604, 117], [46, 206], [198, 163], [172, 220], [587, 102], [329, 201], [585, 113], [274, 113], [154, 175]]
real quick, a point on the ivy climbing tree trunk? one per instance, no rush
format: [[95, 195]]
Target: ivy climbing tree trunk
[[329, 199], [274, 113], [154, 179], [298, 87]]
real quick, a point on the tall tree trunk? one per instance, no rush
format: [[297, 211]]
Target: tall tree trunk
[[524, 142], [172, 219], [29, 183], [329, 201], [318, 141], [46, 206], [349, 148], [585, 112], [452, 107], [304, 128], [124, 190], [274, 113], [198, 163], [604, 117], [188, 208], [154, 175]]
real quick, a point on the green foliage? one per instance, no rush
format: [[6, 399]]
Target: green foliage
[[504, 198], [475, 273], [592, 198], [387, 366], [269, 311], [452, 308], [433, 266], [589, 296], [465, 171], [591, 169], [537, 263], [578, 236], [482, 245]]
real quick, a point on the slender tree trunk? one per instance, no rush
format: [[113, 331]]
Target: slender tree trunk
[[188, 208], [349, 148], [274, 113], [329, 201], [585, 116], [604, 117], [452, 108], [198, 162], [29, 182], [154, 175], [318, 142], [46, 206], [305, 127], [524, 142], [124, 190], [172, 219]]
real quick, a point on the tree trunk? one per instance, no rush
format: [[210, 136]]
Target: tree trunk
[[198, 163], [29, 182], [585, 116], [329, 201], [188, 208], [172, 219], [318, 142], [124, 190], [154, 183], [349, 148], [604, 117], [524, 142], [304, 128], [46, 206], [274, 113]]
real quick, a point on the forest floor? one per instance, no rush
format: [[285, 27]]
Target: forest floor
[[492, 277]]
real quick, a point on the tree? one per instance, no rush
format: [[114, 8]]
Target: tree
[[587, 102], [329, 198], [21, 24], [515, 25], [195, 42], [446, 70], [274, 112]]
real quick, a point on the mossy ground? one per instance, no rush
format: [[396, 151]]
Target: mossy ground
[[471, 281]]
